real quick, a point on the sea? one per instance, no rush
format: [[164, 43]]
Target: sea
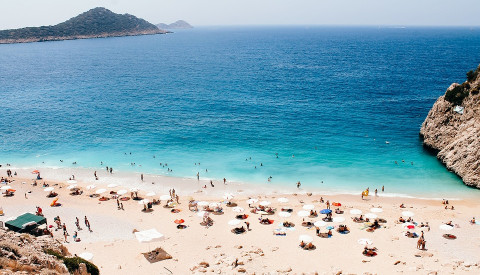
[[337, 108]]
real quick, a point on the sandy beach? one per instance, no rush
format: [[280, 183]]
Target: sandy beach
[[116, 250]]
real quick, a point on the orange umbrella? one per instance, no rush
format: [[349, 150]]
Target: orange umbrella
[[336, 204], [179, 221], [54, 202], [11, 190], [35, 172]]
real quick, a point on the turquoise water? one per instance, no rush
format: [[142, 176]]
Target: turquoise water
[[329, 96]]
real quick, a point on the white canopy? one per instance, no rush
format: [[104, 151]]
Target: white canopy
[[151, 235]]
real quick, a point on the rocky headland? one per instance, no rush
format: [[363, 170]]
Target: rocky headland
[[180, 24], [452, 129], [95, 23]]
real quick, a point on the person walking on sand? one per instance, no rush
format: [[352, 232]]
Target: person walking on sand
[[87, 224], [248, 226], [198, 176], [328, 204], [376, 193], [141, 177], [224, 181]]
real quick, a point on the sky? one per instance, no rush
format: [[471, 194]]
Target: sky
[[23, 13]]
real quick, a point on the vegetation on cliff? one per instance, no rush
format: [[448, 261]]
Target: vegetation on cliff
[[97, 22], [458, 93]]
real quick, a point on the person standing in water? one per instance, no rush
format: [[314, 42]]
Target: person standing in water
[[298, 184], [141, 177]]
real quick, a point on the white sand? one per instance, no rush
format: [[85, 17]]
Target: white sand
[[117, 252]]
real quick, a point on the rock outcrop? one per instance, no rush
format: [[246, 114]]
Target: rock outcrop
[[452, 129], [180, 24]]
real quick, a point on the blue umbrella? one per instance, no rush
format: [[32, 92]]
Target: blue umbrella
[[329, 227], [326, 211]]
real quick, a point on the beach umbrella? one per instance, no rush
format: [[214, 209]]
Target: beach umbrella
[[150, 194], [91, 186], [201, 214], [6, 187], [101, 190], [308, 206], [355, 211], [338, 219], [134, 189], [282, 200], [35, 172], [122, 192], [71, 186], [165, 197], [202, 203], [408, 225], [111, 185], [180, 221], [238, 209], [234, 222], [264, 203], [71, 181], [305, 238], [446, 227], [365, 241], [370, 216], [48, 189], [326, 211], [213, 204], [144, 201], [262, 212], [147, 236], [303, 213], [250, 201], [284, 214], [329, 227], [228, 196], [376, 210], [86, 256], [407, 214], [11, 190], [319, 223]]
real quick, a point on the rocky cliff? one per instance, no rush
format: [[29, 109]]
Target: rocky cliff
[[452, 129], [95, 23]]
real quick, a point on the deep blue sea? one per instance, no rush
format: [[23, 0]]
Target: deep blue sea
[[324, 99]]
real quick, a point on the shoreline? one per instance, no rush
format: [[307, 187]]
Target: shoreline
[[190, 185]]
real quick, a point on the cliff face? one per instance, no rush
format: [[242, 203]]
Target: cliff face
[[97, 22], [452, 129]]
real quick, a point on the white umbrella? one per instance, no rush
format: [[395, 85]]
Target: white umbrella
[[213, 204], [264, 203], [407, 214], [446, 227], [250, 201], [134, 189], [150, 194], [308, 206], [71, 186], [238, 209], [228, 196], [6, 187], [365, 241], [355, 211], [144, 201], [91, 186], [122, 192], [283, 200], [376, 210], [284, 214], [165, 197], [111, 185], [305, 238], [71, 181], [233, 222], [86, 255], [201, 214], [338, 219], [303, 213], [101, 190], [319, 223], [147, 236], [407, 224], [48, 189], [202, 203], [370, 216]]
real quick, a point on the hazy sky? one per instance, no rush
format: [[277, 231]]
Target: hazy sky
[[22, 13]]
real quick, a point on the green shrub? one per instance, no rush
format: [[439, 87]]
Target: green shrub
[[472, 75], [456, 95], [73, 263]]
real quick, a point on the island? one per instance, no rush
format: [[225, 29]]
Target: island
[[452, 129], [95, 23], [180, 24]]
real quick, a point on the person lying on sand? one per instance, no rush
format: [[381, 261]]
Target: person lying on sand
[[343, 229], [402, 205], [288, 224], [401, 219], [411, 234], [264, 221], [289, 210], [338, 211], [369, 252], [360, 219], [302, 244], [449, 223]]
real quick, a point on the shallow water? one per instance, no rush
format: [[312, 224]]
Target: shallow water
[[326, 99]]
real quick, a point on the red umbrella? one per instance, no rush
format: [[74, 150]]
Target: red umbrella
[[179, 221], [35, 172], [336, 204]]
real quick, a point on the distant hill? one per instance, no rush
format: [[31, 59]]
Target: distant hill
[[180, 24], [95, 23]]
